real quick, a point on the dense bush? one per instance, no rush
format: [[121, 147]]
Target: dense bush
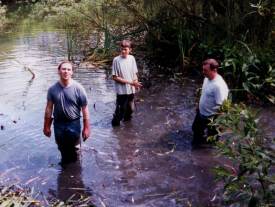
[[176, 35], [252, 72], [249, 73]]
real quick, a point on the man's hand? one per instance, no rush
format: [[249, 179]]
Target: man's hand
[[136, 84], [85, 133], [47, 131]]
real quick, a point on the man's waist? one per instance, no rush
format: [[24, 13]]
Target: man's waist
[[205, 117], [121, 95], [66, 120], [207, 110]]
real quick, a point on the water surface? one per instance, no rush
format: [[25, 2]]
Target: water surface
[[145, 162]]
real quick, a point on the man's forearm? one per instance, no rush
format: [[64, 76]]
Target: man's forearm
[[134, 82], [48, 115], [122, 80], [47, 122], [86, 123], [86, 117]]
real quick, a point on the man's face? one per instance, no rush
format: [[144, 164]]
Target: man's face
[[125, 51], [66, 71], [206, 70]]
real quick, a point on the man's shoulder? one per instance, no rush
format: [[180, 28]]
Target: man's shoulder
[[132, 57], [76, 84], [54, 86], [117, 58], [220, 79], [220, 84]]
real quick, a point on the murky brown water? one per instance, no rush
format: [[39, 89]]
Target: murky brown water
[[146, 162]]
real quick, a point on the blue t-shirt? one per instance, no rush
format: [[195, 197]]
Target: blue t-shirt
[[67, 101]]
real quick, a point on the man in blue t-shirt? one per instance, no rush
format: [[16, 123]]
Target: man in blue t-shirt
[[65, 101]]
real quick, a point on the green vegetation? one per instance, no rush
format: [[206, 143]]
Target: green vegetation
[[248, 175], [92, 27], [176, 34], [250, 72], [3, 19]]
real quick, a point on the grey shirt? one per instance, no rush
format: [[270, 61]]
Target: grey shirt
[[214, 92], [67, 101], [125, 68]]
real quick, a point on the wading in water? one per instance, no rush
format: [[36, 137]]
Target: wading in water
[[65, 101], [214, 92], [124, 72]]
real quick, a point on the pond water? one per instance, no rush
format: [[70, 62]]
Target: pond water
[[145, 162]]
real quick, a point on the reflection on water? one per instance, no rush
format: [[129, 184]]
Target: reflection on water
[[145, 162], [69, 182]]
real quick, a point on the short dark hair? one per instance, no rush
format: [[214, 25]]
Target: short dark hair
[[63, 62], [126, 43], [213, 63]]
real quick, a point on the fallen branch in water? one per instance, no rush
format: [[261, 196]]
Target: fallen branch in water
[[102, 203], [28, 69], [25, 67], [31, 180], [165, 153], [16, 195], [8, 171]]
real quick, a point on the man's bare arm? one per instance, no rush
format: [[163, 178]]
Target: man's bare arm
[[134, 83], [48, 119], [86, 122]]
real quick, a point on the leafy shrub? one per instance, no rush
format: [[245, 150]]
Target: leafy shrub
[[249, 71], [248, 179]]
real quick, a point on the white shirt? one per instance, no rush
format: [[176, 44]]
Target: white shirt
[[214, 92], [125, 68]]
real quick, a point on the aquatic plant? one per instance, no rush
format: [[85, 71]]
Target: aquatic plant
[[16, 195], [247, 176]]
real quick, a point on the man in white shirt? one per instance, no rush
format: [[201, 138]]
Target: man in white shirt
[[214, 92], [124, 72]]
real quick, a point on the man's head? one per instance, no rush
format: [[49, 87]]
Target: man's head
[[65, 70], [125, 48], [210, 68]]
